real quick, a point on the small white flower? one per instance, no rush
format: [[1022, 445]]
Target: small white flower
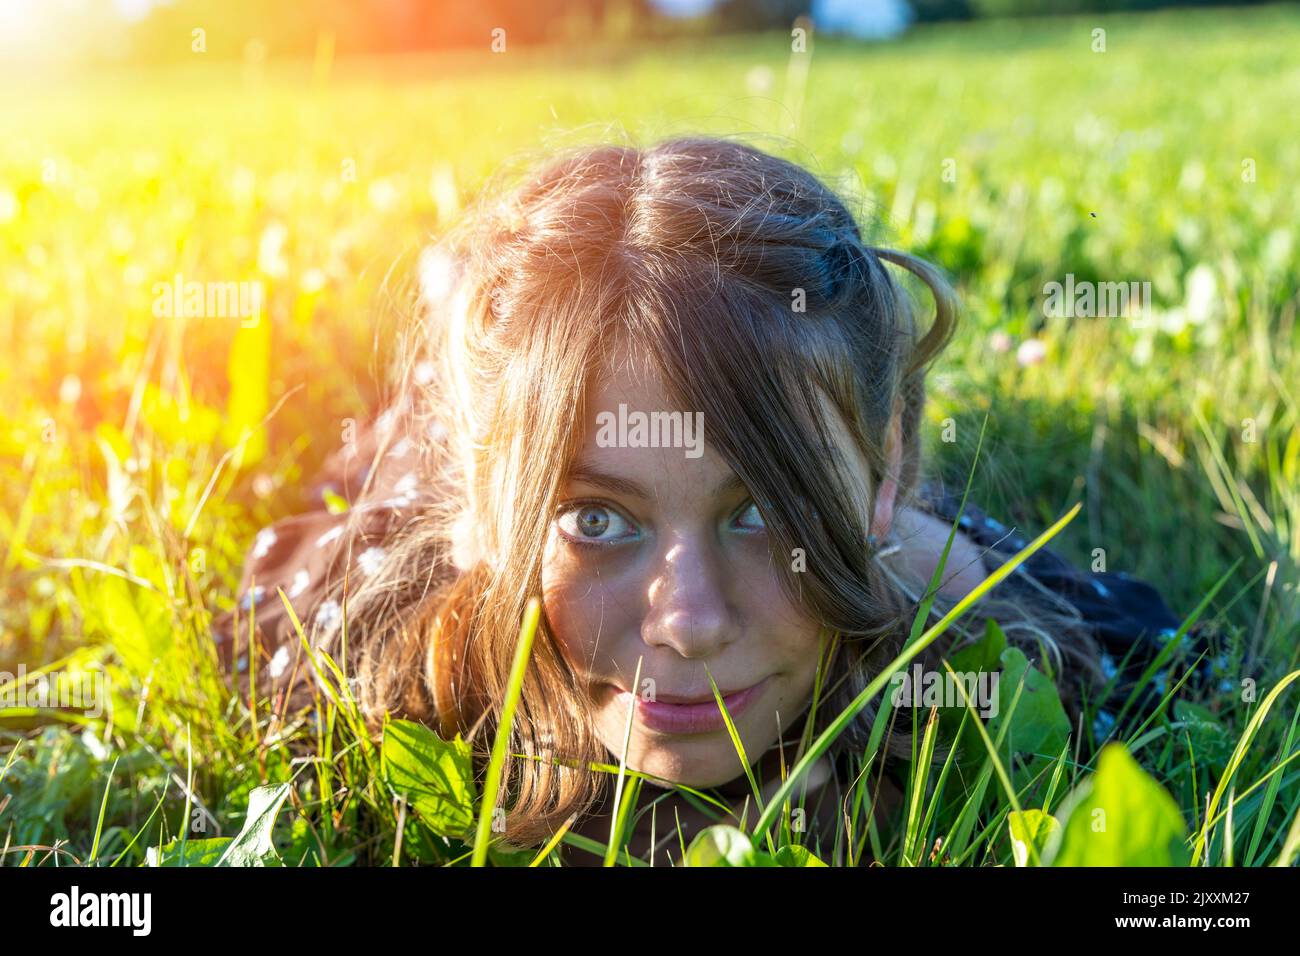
[[400, 449], [760, 80], [300, 582], [1031, 352]]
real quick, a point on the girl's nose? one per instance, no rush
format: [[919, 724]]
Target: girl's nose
[[688, 606]]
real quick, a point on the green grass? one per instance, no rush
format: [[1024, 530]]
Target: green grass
[[124, 516]]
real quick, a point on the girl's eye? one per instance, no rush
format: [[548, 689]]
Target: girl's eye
[[593, 524], [751, 517]]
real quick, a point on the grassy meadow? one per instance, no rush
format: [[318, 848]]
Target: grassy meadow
[[1012, 154]]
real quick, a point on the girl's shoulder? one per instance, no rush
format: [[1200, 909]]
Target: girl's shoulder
[[1128, 617], [1098, 594]]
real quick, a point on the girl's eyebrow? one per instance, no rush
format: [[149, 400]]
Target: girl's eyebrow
[[626, 486]]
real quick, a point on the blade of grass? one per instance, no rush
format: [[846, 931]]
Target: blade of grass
[[1238, 755], [919, 777], [99, 825], [740, 749], [492, 783], [553, 842], [615, 818], [1270, 795], [138, 833]]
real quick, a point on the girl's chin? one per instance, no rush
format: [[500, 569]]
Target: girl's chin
[[705, 766]]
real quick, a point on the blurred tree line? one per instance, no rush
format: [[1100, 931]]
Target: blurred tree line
[[387, 26], [1020, 8]]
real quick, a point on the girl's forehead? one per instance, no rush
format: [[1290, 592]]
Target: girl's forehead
[[626, 371], [628, 383]]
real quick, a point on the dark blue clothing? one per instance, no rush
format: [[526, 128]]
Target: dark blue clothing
[[1128, 618]]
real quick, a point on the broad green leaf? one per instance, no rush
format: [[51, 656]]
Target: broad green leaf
[[435, 775], [982, 657], [1030, 826], [197, 853], [1039, 724], [725, 846], [253, 846], [1121, 816], [985, 654], [791, 855], [511, 858]]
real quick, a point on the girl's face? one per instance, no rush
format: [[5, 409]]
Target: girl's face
[[659, 556]]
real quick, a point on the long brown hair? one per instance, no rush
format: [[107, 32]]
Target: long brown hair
[[751, 285]]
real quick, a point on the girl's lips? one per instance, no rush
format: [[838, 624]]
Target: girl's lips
[[690, 718]]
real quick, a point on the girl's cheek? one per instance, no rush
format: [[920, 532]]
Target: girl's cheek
[[561, 598], [565, 620], [758, 584], [583, 608]]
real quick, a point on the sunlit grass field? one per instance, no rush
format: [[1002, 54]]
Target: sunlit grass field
[[1010, 154]]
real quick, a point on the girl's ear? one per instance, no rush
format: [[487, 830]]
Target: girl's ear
[[882, 517]]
